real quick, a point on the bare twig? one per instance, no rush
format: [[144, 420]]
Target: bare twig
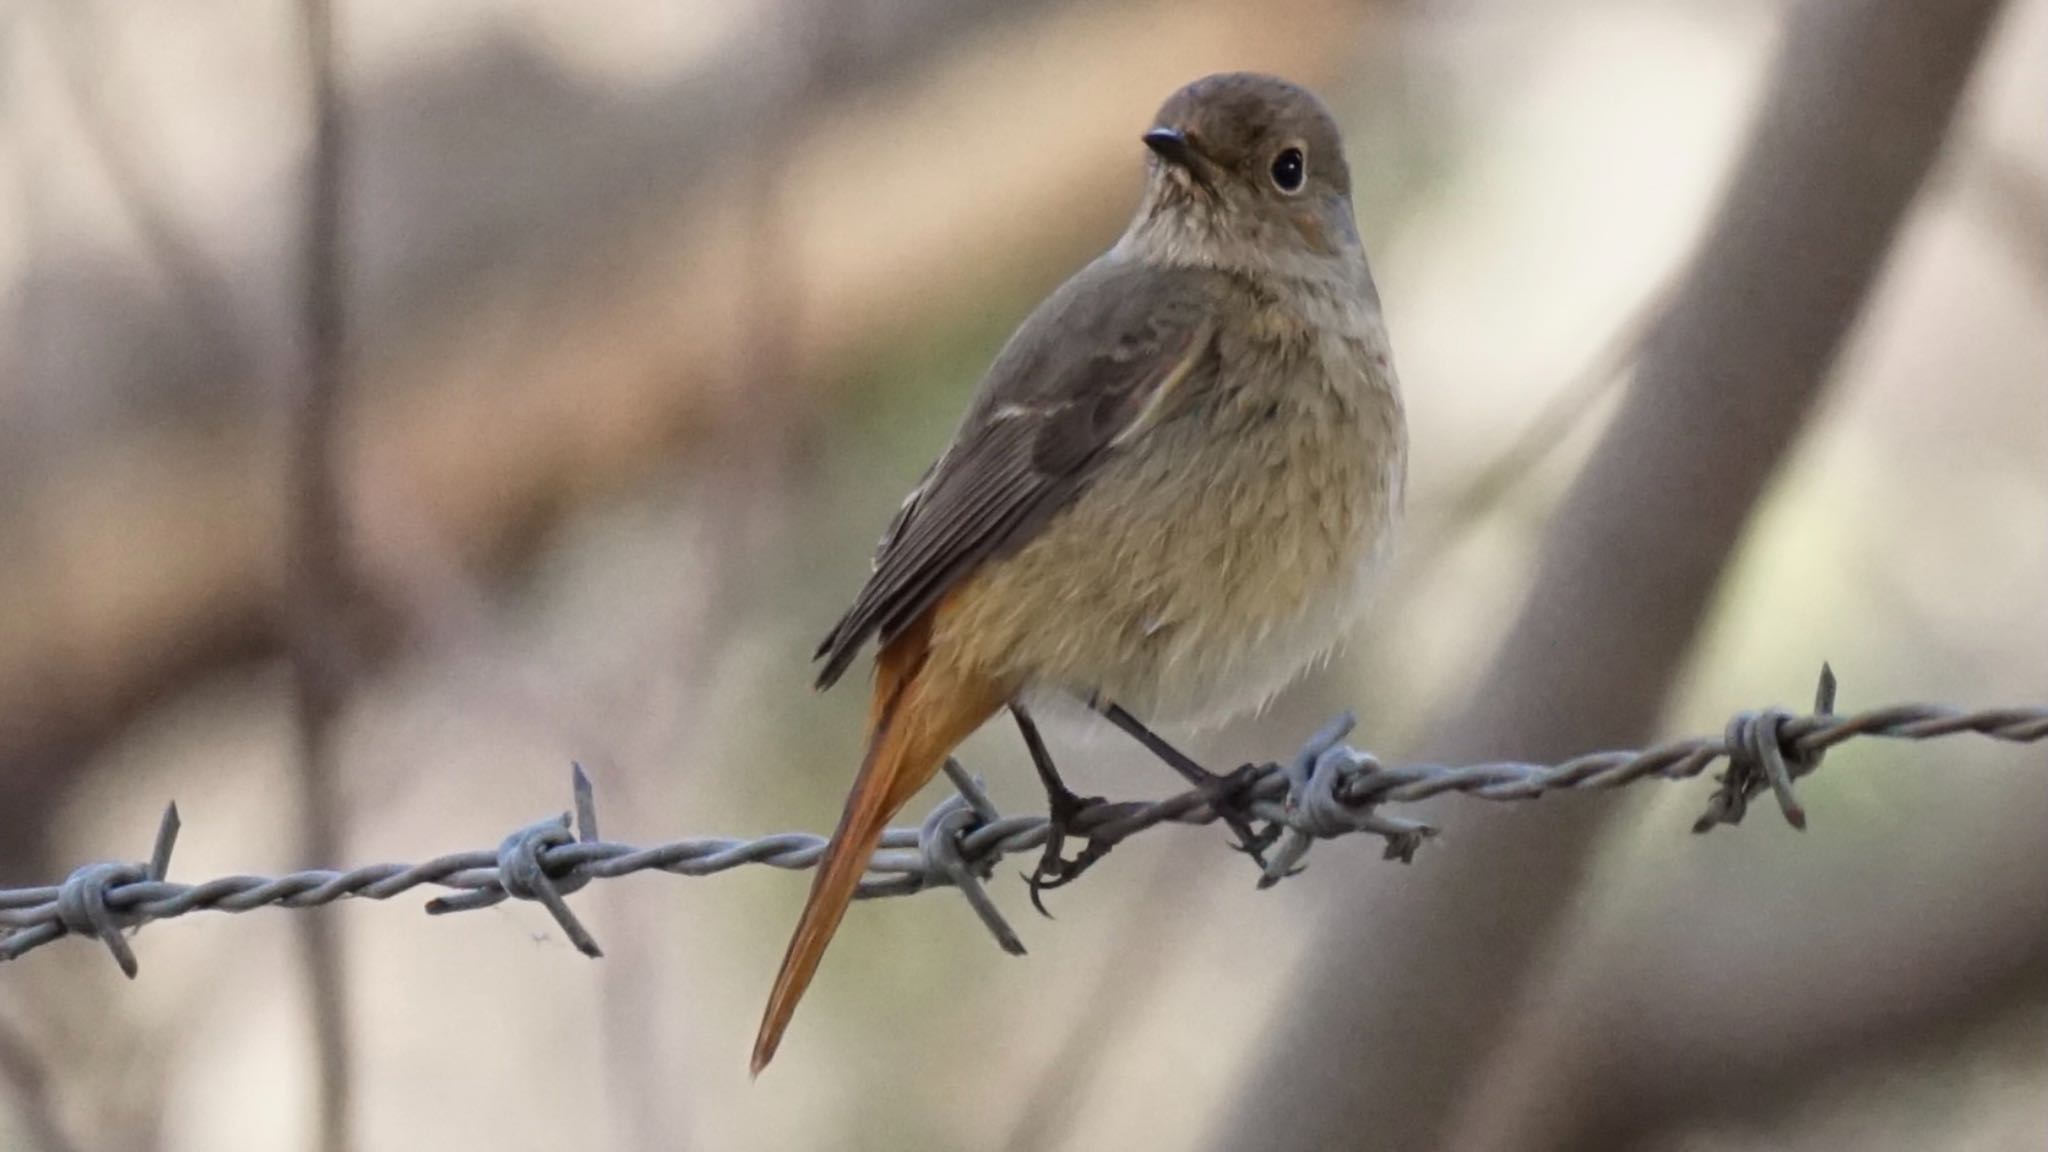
[[318, 583]]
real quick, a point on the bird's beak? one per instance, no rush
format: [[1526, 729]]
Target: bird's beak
[[1176, 148]]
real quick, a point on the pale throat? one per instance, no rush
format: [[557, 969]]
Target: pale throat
[[1172, 230]]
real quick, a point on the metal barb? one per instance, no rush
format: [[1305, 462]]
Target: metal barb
[[526, 872], [973, 791], [1760, 756], [166, 839], [82, 908], [939, 843], [586, 803], [1326, 790]]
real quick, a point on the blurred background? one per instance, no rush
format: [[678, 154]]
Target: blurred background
[[546, 404]]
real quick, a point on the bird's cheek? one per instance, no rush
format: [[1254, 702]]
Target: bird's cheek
[[1313, 234]]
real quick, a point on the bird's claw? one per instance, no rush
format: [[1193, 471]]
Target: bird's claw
[[1054, 869], [1227, 799]]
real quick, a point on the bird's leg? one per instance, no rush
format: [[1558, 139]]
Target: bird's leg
[[1065, 807], [1224, 792]]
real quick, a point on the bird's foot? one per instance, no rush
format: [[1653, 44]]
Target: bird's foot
[[1054, 869], [1229, 797]]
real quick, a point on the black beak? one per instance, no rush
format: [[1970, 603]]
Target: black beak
[[1173, 146]]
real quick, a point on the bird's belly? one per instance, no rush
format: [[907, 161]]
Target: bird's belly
[[1197, 580]]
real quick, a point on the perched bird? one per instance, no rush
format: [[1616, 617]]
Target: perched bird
[[1167, 498]]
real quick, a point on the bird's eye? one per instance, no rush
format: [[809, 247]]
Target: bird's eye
[[1289, 170]]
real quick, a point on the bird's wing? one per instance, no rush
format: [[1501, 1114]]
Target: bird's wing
[[1098, 364]]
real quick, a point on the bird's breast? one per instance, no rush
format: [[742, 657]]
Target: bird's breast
[[1207, 566]]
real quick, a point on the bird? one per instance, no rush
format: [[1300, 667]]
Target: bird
[[1168, 497]]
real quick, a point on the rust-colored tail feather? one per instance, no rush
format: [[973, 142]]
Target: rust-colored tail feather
[[913, 725]]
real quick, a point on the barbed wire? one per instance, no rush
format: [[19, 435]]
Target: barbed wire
[[1327, 790]]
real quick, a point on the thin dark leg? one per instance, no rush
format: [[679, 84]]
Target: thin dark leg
[[1223, 791], [1053, 870]]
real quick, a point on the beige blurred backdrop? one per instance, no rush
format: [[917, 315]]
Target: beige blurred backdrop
[[655, 309]]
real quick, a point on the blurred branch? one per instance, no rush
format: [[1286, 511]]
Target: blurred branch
[[738, 505], [1858, 104], [318, 582], [29, 1081], [1649, 1031], [1563, 413], [1150, 937], [2012, 195], [1328, 790], [87, 64], [42, 736], [1904, 1021]]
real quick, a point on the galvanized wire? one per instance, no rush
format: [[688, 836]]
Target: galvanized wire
[[1327, 790]]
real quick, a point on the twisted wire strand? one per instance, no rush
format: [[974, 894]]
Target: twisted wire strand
[[1329, 789]]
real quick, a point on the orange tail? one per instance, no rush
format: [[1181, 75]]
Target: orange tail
[[914, 725]]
